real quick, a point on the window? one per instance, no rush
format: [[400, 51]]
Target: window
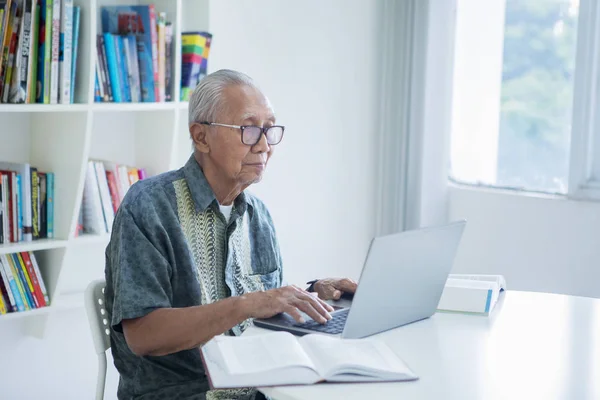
[[513, 91]]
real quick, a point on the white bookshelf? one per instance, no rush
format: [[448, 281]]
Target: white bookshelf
[[62, 138]]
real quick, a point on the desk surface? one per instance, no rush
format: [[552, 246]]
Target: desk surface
[[533, 346]]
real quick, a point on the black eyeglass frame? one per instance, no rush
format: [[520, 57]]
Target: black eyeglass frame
[[242, 127]]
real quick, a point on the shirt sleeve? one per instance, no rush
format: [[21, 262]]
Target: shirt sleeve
[[137, 271]]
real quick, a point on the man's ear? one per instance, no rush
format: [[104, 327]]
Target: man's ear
[[198, 134]]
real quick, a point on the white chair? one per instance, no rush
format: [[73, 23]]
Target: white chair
[[99, 321]]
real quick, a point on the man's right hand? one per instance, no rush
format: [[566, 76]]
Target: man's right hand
[[289, 299]]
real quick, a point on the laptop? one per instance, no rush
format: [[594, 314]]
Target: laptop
[[401, 282]]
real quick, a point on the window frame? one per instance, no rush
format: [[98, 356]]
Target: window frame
[[584, 154], [584, 157]]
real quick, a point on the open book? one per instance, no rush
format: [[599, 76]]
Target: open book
[[280, 358], [476, 294]]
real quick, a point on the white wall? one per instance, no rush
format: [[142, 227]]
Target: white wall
[[539, 244], [63, 365], [317, 63]]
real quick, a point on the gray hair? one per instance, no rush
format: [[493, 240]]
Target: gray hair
[[207, 101]]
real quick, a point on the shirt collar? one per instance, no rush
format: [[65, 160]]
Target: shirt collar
[[202, 193]]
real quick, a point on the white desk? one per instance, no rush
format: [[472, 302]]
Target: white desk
[[534, 346]]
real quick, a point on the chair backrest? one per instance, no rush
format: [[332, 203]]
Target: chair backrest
[[98, 316], [99, 320]]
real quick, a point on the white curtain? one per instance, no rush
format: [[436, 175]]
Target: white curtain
[[415, 110]]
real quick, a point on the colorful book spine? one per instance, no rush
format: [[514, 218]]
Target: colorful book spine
[[122, 68], [2, 304], [27, 302], [133, 175], [195, 51], [14, 206], [103, 80], [19, 208], [32, 87], [19, 90], [154, 37], [205, 54], [76, 18], [146, 74], [54, 63], [47, 52], [50, 203], [113, 67], [12, 58], [2, 6], [4, 294], [24, 171], [6, 211], [108, 88], [2, 212], [11, 21], [43, 12], [130, 42], [35, 280], [7, 288], [190, 71], [14, 287], [65, 51], [107, 209], [35, 196], [162, 54], [43, 187], [169, 62], [114, 194], [9, 205], [18, 82], [98, 89], [27, 284], [36, 268]]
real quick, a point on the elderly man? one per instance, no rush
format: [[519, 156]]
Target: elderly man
[[192, 255]]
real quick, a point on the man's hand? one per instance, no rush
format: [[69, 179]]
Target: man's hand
[[289, 299], [332, 288]]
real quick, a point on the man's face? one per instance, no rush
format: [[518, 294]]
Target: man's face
[[240, 162]]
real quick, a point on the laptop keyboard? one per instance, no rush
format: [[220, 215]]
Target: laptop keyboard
[[334, 326]]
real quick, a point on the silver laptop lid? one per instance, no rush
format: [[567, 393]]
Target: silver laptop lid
[[402, 279]]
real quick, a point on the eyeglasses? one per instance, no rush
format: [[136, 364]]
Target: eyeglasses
[[251, 134]]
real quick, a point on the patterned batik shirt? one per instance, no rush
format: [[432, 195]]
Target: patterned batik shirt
[[172, 247]]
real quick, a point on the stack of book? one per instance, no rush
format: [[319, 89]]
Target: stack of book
[[194, 52], [21, 284], [471, 293], [106, 184], [26, 203], [134, 59], [38, 51]]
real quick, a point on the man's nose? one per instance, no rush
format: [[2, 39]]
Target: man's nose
[[262, 146]]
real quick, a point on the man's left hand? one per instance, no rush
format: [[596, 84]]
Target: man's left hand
[[332, 288]]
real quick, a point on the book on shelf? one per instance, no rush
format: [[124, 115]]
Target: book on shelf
[[105, 187], [134, 57], [26, 203], [195, 49], [65, 51], [280, 358], [169, 61], [471, 293], [22, 286], [38, 47]]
